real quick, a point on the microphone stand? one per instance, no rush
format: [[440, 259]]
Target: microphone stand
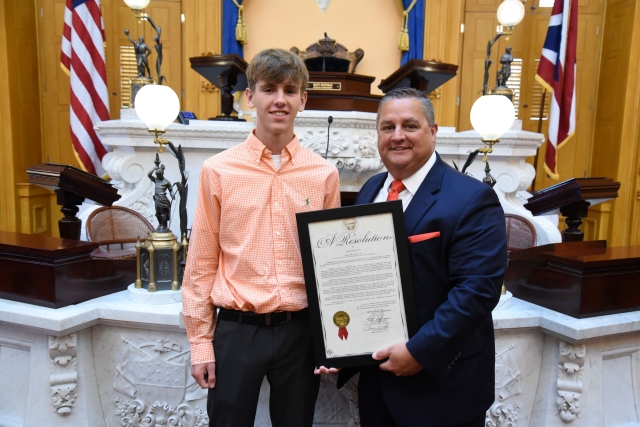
[[326, 152]]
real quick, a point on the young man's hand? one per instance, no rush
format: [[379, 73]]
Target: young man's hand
[[400, 362], [204, 374], [324, 370]]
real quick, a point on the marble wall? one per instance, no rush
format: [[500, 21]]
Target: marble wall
[[113, 362]]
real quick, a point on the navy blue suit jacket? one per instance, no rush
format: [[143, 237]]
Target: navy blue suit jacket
[[457, 278]]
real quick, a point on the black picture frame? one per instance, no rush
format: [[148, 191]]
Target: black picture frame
[[404, 267]]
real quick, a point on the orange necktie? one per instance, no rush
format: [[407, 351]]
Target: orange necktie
[[396, 188]]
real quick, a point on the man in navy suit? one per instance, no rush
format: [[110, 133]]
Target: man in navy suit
[[444, 375]]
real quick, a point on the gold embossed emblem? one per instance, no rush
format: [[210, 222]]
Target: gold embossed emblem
[[349, 224], [341, 319]]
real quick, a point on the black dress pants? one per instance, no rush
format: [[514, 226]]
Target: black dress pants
[[375, 413], [245, 354]]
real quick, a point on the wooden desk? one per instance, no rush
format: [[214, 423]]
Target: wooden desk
[[54, 273], [580, 279]]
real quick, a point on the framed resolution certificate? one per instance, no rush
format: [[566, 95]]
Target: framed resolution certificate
[[358, 279]]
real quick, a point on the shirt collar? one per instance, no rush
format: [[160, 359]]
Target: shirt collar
[[257, 148], [414, 181]]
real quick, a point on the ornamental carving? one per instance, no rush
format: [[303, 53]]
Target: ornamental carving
[[318, 122], [569, 382], [154, 374], [316, 141], [367, 144], [500, 415], [135, 413], [64, 373], [508, 384]]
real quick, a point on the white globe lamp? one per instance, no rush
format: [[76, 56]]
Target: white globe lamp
[[157, 106], [510, 13], [137, 4], [491, 117]]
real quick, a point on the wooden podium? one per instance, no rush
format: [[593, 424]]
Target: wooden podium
[[54, 273], [338, 91], [426, 76], [72, 186], [572, 199], [580, 279]]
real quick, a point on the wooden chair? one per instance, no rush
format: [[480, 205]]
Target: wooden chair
[[328, 55], [116, 226], [521, 233]]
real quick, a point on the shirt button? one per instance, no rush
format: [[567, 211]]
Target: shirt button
[[278, 233], [277, 204], [280, 262]]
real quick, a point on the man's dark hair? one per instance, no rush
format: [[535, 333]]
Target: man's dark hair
[[276, 66], [410, 93]]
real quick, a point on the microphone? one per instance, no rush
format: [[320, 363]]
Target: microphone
[[330, 120]]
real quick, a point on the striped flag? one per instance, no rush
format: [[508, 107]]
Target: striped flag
[[82, 58], [557, 73]]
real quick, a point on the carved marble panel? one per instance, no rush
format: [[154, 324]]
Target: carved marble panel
[[144, 378], [517, 369]]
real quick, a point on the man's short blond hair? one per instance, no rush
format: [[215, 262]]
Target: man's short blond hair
[[276, 66]]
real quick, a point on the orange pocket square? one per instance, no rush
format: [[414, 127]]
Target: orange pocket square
[[422, 237]]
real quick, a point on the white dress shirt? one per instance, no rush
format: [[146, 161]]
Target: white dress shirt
[[411, 184]]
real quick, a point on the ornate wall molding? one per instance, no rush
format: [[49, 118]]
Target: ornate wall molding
[[569, 382], [64, 372], [349, 123], [316, 141], [352, 149]]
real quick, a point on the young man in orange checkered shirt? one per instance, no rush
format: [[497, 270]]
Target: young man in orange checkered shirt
[[244, 258]]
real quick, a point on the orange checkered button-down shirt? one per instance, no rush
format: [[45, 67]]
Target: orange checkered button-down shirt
[[244, 252]]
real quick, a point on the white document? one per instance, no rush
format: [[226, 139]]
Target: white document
[[358, 281]]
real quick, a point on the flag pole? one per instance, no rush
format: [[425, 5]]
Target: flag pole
[[535, 161]]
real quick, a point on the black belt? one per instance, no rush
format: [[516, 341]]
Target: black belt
[[267, 319]]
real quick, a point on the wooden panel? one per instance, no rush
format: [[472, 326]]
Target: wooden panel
[[55, 91], [202, 29], [624, 229], [8, 205], [612, 88], [482, 6], [480, 28], [22, 111], [443, 43]]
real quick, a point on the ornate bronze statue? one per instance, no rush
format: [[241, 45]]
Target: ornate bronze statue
[[158, 47], [142, 54], [162, 202], [505, 72]]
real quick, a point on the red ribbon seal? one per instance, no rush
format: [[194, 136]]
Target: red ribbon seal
[[343, 333]]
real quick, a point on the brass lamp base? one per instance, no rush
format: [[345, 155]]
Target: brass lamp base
[[489, 149], [158, 260]]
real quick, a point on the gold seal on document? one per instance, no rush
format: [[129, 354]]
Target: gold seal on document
[[341, 319], [350, 224]]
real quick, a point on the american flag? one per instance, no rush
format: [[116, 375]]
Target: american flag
[[82, 58], [557, 73]]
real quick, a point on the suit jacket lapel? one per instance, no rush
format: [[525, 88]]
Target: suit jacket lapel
[[369, 192], [424, 197]]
